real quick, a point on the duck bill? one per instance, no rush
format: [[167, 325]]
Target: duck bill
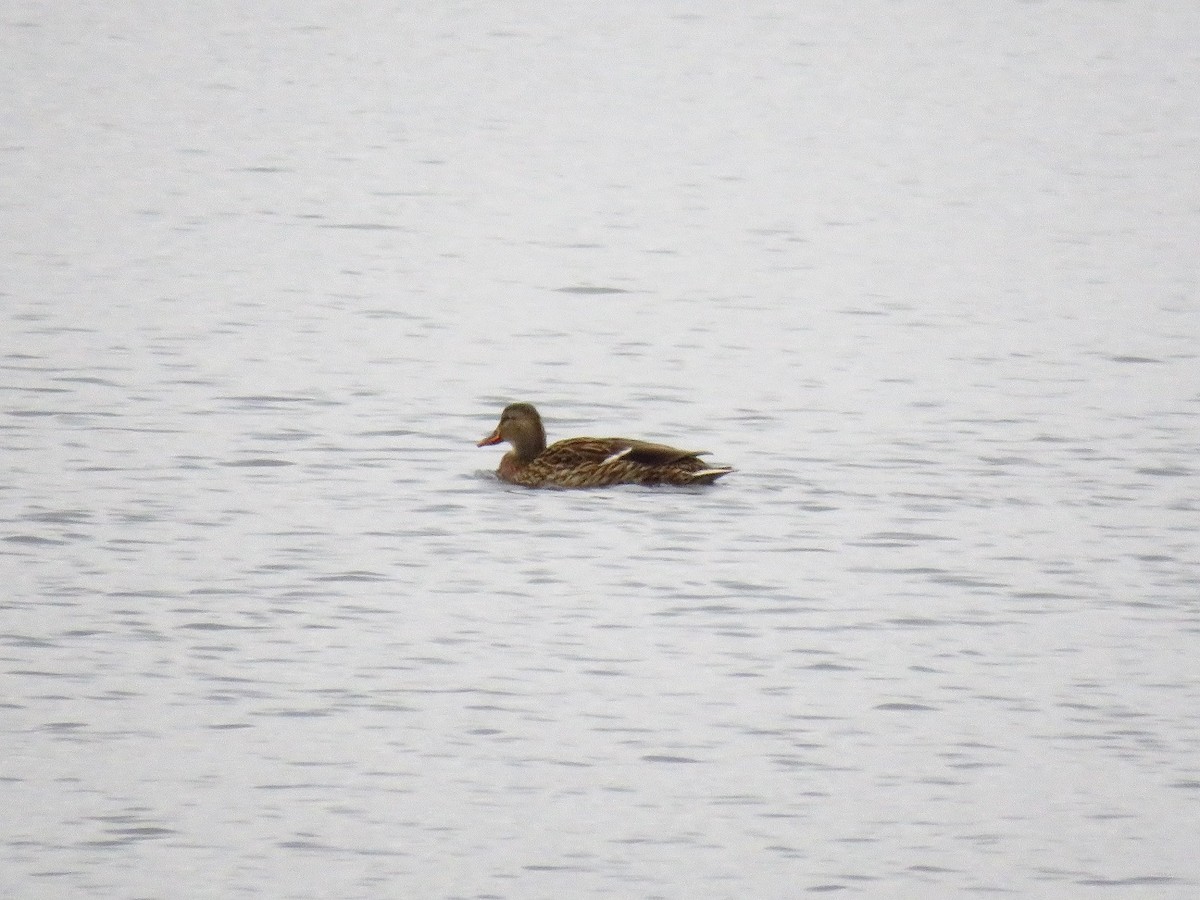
[[493, 438]]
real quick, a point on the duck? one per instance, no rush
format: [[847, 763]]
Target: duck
[[588, 462]]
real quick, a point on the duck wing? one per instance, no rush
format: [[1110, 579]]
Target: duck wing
[[595, 451]]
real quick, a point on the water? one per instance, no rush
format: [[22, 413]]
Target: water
[[926, 275]]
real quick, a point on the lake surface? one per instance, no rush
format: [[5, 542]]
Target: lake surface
[[925, 273]]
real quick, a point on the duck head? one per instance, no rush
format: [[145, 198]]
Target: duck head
[[521, 426]]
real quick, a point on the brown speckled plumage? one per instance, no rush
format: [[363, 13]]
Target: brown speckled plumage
[[586, 462]]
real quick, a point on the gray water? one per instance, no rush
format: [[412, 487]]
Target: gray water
[[925, 273]]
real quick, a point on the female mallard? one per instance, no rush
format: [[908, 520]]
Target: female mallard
[[585, 462]]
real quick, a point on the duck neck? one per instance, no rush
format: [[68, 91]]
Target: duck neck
[[529, 442]]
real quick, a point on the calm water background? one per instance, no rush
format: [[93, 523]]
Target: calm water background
[[926, 273]]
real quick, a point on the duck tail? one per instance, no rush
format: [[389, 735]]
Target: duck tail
[[708, 476]]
